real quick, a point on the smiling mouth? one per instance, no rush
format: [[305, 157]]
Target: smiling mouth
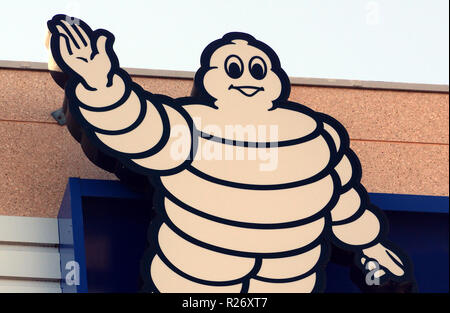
[[248, 91]]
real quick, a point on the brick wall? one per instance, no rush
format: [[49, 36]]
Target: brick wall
[[401, 138]]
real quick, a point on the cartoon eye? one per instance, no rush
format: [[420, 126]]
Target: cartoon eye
[[258, 67], [234, 66]]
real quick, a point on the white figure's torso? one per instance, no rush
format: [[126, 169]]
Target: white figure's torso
[[230, 202]]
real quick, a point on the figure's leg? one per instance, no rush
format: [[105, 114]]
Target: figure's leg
[[181, 266], [296, 274], [303, 285]]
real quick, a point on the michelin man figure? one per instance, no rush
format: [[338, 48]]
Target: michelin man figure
[[252, 188]]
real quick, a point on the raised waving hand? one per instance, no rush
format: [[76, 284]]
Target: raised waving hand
[[79, 51]]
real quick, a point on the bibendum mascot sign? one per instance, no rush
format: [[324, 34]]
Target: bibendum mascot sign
[[252, 189]]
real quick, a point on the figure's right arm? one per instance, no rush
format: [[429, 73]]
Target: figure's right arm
[[144, 131]]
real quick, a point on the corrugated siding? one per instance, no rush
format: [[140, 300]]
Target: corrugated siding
[[29, 257]]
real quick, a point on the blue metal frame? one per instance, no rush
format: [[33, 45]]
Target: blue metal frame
[[105, 188], [386, 201], [410, 203], [70, 217], [71, 247]]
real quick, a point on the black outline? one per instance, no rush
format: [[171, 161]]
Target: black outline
[[239, 88], [225, 65], [264, 67], [87, 133]]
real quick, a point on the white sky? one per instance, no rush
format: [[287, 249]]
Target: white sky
[[382, 40]]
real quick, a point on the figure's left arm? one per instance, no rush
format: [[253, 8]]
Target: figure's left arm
[[356, 224]]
